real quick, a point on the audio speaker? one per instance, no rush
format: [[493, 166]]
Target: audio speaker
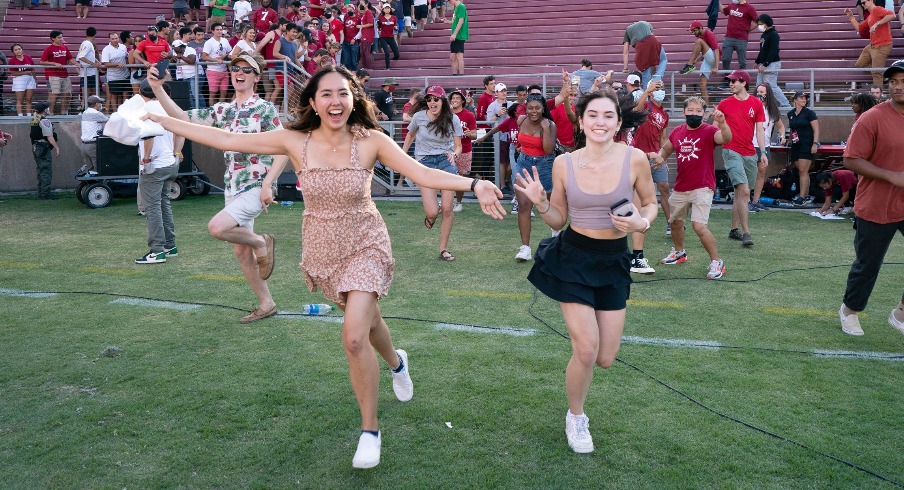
[[285, 187], [180, 92], [117, 159]]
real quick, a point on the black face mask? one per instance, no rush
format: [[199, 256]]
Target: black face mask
[[694, 122], [152, 38]]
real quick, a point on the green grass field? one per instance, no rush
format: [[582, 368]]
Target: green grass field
[[191, 398]]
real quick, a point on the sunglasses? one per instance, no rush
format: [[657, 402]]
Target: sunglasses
[[247, 70], [431, 98], [735, 81]]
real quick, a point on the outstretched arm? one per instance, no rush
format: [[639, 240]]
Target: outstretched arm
[[268, 143]]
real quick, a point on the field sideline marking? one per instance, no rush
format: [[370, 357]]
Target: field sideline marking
[[114, 271], [697, 344], [25, 294], [775, 310], [215, 277], [169, 305], [487, 294], [19, 265], [513, 331]]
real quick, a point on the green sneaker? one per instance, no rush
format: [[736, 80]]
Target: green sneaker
[[171, 252], [687, 69]]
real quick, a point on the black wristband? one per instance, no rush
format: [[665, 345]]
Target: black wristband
[[473, 184]]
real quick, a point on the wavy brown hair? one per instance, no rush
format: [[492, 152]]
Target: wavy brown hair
[[624, 110], [362, 108]]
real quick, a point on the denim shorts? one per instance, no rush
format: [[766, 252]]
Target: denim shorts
[[439, 162], [543, 164]]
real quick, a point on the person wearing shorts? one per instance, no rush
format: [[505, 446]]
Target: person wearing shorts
[[23, 79], [694, 144], [745, 115], [59, 5], [216, 49], [436, 148], [458, 36], [56, 57], [194, 7], [421, 13], [468, 120], [81, 8]]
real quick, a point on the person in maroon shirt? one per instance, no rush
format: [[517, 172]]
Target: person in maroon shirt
[[265, 17], [57, 55], [350, 35], [874, 151], [365, 50], [469, 132], [741, 21], [649, 138], [387, 23], [842, 180], [694, 143], [485, 99]]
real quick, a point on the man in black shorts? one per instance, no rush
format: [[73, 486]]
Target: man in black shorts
[[81, 8], [420, 14], [458, 37], [114, 57]]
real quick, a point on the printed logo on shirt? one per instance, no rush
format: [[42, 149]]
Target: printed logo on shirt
[[687, 149], [735, 13], [750, 112]]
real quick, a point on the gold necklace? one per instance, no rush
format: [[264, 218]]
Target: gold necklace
[[583, 164]]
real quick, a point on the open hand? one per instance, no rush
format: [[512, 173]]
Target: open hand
[[530, 185], [489, 195]]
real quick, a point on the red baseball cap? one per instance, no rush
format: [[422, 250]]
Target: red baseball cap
[[739, 75], [695, 25], [436, 91]]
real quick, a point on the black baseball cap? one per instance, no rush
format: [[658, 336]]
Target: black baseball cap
[[894, 68]]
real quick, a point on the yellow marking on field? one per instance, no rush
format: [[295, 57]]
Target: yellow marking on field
[[19, 265], [656, 304], [215, 277], [487, 294], [799, 311], [112, 270]]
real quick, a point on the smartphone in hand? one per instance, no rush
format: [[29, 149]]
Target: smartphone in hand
[[622, 208], [162, 68]]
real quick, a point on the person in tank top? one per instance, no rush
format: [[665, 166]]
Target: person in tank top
[[334, 144], [586, 267]]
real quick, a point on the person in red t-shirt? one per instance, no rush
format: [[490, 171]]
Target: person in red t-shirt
[[741, 21], [485, 99], [694, 144], [387, 24], [265, 17], [58, 56], [469, 132], [842, 179], [876, 21], [745, 116], [706, 48], [649, 138], [874, 151], [152, 49]]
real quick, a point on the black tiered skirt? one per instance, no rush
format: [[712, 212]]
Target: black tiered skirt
[[574, 268]]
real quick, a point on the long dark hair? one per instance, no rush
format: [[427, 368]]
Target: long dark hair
[[624, 110], [362, 108], [865, 100], [771, 104], [442, 125]]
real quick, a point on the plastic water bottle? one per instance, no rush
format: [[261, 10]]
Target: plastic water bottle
[[718, 196], [794, 187], [317, 309], [286, 203], [767, 201]]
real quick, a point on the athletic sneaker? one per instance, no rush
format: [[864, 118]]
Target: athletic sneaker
[[797, 200], [668, 229], [523, 254], [809, 200], [845, 210], [746, 240], [171, 252], [716, 269], [751, 208], [577, 430], [641, 266], [514, 206], [401, 381], [760, 206], [456, 208], [734, 234], [152, 258], [897, 325], [687, 69], [368, 453], [850, 324], [674, 257]]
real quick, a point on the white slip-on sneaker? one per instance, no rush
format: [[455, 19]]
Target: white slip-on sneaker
[[850, 324], [523, 254], [577, 430], [401, 381], [897, 325], [368, 453], [456, 208]]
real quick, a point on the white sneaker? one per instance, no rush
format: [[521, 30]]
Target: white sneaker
[[850, 324], [514, 206], [368, 453], [523, 254], [554, 233], [577, 430], [899, 326], [456, 208], [401, 381], [641, 266]]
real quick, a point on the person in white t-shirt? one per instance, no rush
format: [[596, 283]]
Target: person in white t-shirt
[[241, 9], [114, 58], [217, 49], [246, 44], [88, 64], [159, 165], [92, 123], [186, 67]]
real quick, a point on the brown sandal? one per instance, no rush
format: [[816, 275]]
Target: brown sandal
[[445, 255], [258, 314], [428, 223]]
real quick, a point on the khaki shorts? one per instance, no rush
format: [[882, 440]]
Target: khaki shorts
[[59, 85], [699, 201], [244, 207], [741, 169]]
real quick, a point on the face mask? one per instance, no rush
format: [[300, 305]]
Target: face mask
[[152, 38], [694, 122], [761, 27], [659, 95], [390, 89]]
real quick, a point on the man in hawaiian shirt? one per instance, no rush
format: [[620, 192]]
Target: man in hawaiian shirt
[[244, 175]]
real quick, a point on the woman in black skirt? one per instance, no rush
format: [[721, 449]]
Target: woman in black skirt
[[586, 267]]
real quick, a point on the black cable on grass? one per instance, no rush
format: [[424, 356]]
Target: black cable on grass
[[764, 276], [119, 295], [722, 414]]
